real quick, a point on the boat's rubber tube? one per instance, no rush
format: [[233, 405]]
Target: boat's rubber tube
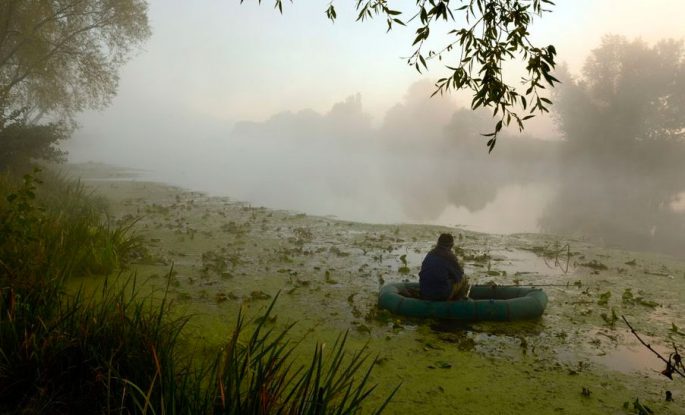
[[485, 302]]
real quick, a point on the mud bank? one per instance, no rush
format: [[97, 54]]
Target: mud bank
[[578, 358]]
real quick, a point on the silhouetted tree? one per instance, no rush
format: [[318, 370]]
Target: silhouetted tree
[[624, 125]]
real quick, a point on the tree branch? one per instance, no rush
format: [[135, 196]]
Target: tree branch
[[43, 60], [647, 345]]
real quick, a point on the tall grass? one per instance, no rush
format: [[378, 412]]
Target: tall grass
[[57, 229], [114, 352], [50, 232], [82, 357], [259, 377]]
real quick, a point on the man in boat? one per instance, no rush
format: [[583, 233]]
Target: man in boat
[[441, 277]]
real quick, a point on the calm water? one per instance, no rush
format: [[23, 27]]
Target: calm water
[[357, 195], [368, 183]]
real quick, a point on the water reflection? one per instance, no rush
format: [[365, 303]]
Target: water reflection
[[425, 163], [627, 357]]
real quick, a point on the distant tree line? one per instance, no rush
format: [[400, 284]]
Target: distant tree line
[[482, 35], [622, 157]]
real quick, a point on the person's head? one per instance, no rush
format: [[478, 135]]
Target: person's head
[[446, 240]]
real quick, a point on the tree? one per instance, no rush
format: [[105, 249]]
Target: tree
[[491, 32], [630, 95], [622, 158], [59, 57]]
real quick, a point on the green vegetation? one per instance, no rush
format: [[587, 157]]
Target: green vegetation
[[604, 298], [486, 359], [404, 269], [111, 350], [58, 58], [259, 377], [57, 230], [21, 142], [61, 57]]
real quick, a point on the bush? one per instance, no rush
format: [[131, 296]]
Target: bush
[[20, 143], [82, 355]]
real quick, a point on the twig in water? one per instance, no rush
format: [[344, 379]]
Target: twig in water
[[674, 359], [555, 250]]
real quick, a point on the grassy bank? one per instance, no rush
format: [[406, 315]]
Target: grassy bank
[[111, 350]]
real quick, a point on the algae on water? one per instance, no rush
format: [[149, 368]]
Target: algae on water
[[229, 255]]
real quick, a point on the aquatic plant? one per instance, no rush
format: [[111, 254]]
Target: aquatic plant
[[214, 263], [474, 255], [555, 255], [604, 298], [114, 351], [630, 299], [404, 269], [595, 265], [302, 235], [51, 233], [610, 320]]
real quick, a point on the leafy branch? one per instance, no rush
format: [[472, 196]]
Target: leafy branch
[[485, 34]]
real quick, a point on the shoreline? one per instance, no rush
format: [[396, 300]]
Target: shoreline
[[392, 214], [229, 255]]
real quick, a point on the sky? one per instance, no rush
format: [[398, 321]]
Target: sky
[[223, 60], [211, 65]]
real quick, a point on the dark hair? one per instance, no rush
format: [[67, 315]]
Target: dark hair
[[446, 240]]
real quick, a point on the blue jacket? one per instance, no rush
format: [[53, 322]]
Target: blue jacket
[[440, 270]]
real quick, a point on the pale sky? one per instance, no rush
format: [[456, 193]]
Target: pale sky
[[223, 60]]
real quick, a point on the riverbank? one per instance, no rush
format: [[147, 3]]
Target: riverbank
[[577, 358]]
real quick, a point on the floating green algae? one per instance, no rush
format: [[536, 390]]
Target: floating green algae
[[228, 255]]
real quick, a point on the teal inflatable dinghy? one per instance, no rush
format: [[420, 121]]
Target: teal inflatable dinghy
[[485, 303]]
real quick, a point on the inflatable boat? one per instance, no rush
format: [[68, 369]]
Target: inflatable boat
[[484, 303]]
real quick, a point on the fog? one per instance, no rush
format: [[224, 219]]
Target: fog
[[623, 122], [425, 163], [281, 124]]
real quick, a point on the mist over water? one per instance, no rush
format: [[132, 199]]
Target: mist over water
[[615, 175], [622, 157], [424, 163]]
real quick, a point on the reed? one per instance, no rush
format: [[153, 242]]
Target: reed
[[54, 230], [113, 351], [259, 376]]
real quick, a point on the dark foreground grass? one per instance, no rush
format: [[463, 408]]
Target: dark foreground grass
[[82, 356], [114, 352], [258, 377]]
